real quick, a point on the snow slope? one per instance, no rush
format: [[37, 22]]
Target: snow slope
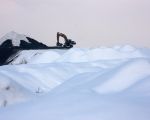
[[78, 84]]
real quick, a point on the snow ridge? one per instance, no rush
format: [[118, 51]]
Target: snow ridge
[[15, 37]]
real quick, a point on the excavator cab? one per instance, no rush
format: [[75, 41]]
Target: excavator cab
[[68, 42]]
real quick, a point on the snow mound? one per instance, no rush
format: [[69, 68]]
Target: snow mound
[[125, 77], [23, 57], [44, 76], [35, 57], [15, 37], [77, 55], [37, 79], [88, 55], [80, 84], [46, 57]]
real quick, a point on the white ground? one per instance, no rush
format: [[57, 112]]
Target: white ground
[[77, 84]]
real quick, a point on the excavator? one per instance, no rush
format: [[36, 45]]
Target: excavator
[[68, 42], [7, 49]]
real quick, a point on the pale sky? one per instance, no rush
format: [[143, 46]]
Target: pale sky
[[90, 23]]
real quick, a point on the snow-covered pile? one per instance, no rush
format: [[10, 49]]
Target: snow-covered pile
[[34, 57], [77, 55], [15, 37], [78, 84]]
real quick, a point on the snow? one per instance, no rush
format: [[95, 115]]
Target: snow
[[135, 70], [35, 56], [48, 56], [15, 37], [11, 92], [78, 55], [77, 84]]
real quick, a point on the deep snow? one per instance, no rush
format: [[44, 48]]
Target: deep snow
[[77, 84]]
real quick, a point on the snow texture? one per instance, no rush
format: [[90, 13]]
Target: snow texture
[[77, 84]]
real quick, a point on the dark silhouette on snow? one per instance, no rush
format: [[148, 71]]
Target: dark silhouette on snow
[[68, 42], [7, 48], [33, 44], [7, 44]]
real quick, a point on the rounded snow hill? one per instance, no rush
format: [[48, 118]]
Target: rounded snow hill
[[125, 76]]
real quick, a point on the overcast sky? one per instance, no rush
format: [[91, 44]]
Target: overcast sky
[[91, 23]]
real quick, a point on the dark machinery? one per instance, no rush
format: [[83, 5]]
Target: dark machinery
[[68, 42], [7, 49]]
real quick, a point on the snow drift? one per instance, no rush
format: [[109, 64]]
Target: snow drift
[[77, 84], [124, 77]]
